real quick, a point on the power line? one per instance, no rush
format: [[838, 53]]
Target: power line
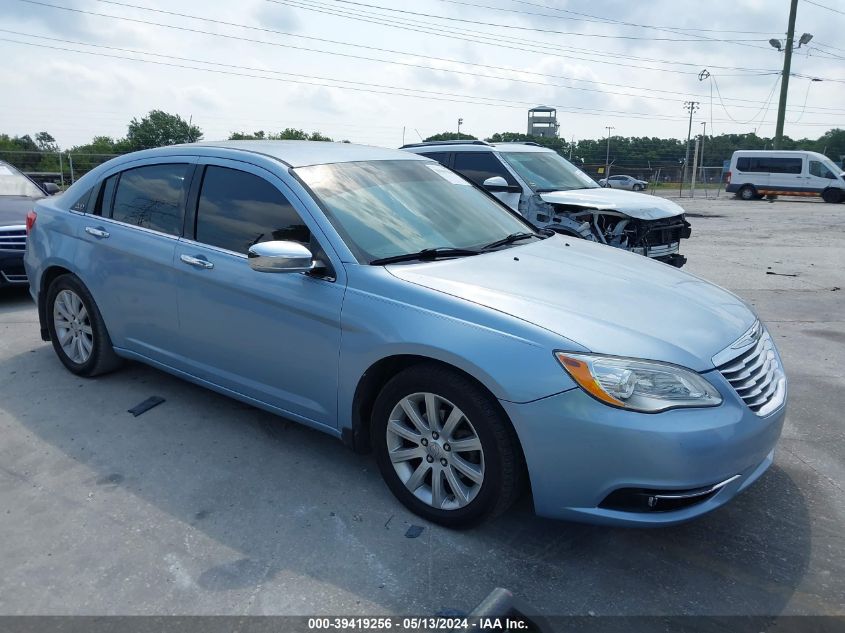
[[357, 86], [503, 42], [538, 30], [410, 64], [374, 48], [751, 120], [824, 6], [181, 28], [602, 20], [251, 69], [587, 17]]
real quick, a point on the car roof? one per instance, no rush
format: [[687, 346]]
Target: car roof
[[303, 153], [800, 152], [468, 147]]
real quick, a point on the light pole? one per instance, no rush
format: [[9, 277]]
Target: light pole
[[786, 47], [460, 121], [607, 156]]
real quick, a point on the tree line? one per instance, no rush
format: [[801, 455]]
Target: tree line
[[643, 151], [40, 152]]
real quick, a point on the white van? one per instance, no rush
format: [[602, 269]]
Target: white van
[[757, 173]]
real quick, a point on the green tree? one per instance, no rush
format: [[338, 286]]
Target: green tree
[[288, 134], [159, 128], [46, 142], [243, 136], [451, 136], [832, 144]]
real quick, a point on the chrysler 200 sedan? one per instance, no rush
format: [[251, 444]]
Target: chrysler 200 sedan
[[382, 298]]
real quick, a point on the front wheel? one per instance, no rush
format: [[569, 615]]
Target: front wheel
[[638, 187], [76, 328], [444, 446]]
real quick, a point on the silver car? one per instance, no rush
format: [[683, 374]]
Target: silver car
[[385, 300], [624, 182]]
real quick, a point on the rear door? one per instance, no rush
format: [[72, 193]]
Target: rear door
[[273, 337], [126, 253]]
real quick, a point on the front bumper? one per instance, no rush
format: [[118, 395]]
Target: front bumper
[[580, 451], [12, 272]]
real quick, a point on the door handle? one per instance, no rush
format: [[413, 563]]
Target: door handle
[[96, 232], [196, 261]]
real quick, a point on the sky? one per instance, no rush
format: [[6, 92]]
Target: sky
[[384, 72]]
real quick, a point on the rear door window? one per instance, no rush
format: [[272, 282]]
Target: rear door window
[[479, 166], [237, 209], [440, 157], [152, 197], [770, 165]]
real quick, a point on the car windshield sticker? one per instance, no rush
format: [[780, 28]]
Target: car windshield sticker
[[452, 177]]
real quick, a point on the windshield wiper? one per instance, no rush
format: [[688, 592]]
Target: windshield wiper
[[510, 239], [426, 254]]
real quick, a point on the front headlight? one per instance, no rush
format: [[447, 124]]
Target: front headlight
[[638, 385]]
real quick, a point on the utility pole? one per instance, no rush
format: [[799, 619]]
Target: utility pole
[[694, 169], [607, 156], [460, 121], [571, 145], [691, 106], [787, 64], [701, 163]]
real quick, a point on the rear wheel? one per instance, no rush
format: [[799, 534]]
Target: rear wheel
[[747, 192], [76, 328], [444, 447], [832, 195]]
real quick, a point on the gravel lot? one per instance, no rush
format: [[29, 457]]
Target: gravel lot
[[207, 506]]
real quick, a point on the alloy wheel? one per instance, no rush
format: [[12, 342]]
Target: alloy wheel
[[435, 451], [73, 326]]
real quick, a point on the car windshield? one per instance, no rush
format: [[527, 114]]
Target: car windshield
[[397, 207], [547, 171], [13, 183]]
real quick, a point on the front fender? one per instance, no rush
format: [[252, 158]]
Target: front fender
[[511, 358]]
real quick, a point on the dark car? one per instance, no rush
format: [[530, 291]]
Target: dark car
[[17, 197]]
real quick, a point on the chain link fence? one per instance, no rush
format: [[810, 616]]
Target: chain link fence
[[709, 182], [61, 168]]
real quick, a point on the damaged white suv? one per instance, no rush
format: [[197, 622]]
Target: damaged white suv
[[552, 193]]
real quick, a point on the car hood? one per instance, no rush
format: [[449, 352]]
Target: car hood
[[13, 209], [637, 205], [603, 299]]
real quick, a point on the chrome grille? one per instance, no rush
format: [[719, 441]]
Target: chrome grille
[[12, 238], [755, 372]]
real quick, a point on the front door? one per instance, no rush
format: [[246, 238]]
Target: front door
[[272, 337]]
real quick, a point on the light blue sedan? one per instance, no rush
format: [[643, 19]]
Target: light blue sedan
[[377, 296]]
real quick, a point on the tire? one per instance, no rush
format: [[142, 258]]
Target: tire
[[421, 453], [73, 314], [747, 192], [638, 187], [832, 195]]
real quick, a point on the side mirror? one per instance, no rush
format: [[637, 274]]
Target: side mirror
[[51, 188], [495, 182], [280, 257]]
